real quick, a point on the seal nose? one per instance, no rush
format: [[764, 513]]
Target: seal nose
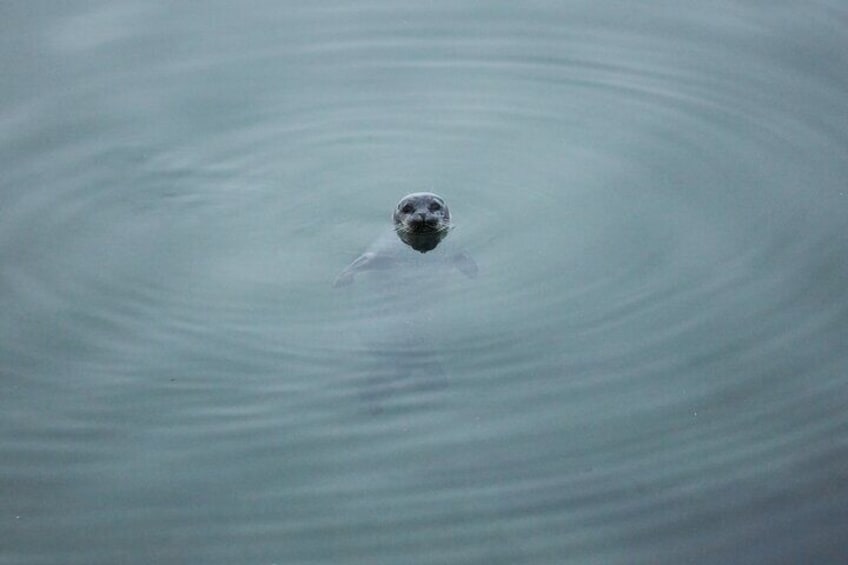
[[418, 220]]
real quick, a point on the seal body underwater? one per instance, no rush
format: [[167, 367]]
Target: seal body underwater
[[401, 281]]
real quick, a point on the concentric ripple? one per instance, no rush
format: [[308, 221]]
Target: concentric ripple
[[650, 367]]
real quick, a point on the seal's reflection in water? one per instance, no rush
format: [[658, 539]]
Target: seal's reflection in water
[[402, 280]]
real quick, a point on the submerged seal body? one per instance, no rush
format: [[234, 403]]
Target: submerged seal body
[[403, 279]]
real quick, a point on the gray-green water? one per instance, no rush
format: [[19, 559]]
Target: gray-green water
[[650, 367]]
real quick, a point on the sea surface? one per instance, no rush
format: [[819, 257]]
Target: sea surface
[[651, 365]]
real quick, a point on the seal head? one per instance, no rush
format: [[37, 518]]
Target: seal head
[[422, 220]]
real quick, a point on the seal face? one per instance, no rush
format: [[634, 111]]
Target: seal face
[[422, 220]]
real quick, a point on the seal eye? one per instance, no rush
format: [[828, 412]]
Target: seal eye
[[407, 209], [435, 206]]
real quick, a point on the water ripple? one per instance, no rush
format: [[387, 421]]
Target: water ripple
[[649, 366]]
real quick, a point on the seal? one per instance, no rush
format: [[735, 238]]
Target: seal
[[403, 281], [421, 221]]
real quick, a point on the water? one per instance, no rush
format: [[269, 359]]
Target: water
[[650, 367]]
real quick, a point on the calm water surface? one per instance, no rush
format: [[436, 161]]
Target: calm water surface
[[649, 368]]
